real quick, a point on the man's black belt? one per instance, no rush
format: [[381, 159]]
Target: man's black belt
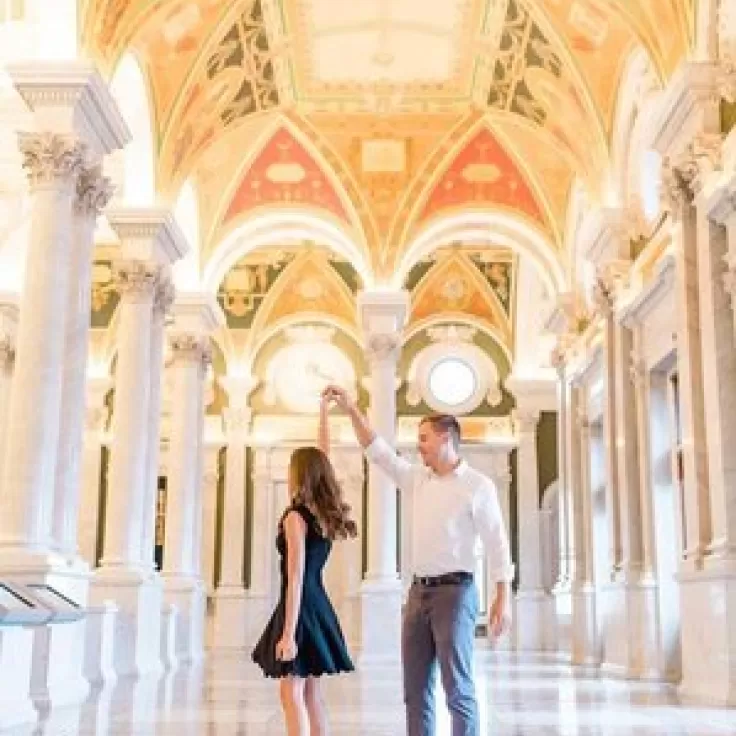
[[449, 578]]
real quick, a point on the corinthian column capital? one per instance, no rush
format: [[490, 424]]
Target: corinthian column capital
[[50, 158], [136, 280], [94, 191]]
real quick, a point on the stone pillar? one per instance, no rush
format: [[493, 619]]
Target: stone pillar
[[585, 646], [533, 610], [77, 122], [229, 632], [604, 292], [93, 193], [195, 319], [151, 241], [97, 416], [630, 625], [163, 299], [562, 584], [209, 515], [679, 178], [8, 326], [717, 253], [53, 163], [382, 316]]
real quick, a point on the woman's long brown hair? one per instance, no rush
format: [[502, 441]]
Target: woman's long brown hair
[[313, 480]]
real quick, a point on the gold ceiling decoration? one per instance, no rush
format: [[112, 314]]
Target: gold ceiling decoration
[[387, 94]]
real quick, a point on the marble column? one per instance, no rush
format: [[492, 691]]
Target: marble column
[[382, 316], [8, 325], [230, 595], [605, 303], [630, 626], [717, 253], [678, 179], [183, 586], [93, 194], [562, 584], [76, 122], [151, 241], [53, 163], [532, 603], [210, 478], [97, 415], [585, 644], [162, 302]]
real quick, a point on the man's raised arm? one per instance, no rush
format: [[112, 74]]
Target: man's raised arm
[[377, 450]]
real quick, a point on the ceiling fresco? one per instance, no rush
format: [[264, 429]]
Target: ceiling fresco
[[383, 115]]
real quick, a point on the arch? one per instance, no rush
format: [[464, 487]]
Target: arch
[[638, 86], [255, 348], [464, 319], [273, 228], [186, 271], [492, 226], [131, 92]]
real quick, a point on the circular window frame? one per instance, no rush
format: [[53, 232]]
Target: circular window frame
[[472, 374]]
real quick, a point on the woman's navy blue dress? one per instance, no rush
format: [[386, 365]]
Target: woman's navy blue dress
[[320, 644]]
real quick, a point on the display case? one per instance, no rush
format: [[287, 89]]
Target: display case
[[18, 608]]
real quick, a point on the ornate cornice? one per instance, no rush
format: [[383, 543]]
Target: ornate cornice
[[50, 159]]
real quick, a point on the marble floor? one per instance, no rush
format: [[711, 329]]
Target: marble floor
[[523, 696]]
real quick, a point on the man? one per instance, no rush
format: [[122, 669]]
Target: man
[[452, 504]]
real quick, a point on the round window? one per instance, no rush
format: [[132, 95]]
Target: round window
[[452, 381]]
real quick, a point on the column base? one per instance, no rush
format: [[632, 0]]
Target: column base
[[534, 624], [586, 651], [16, 655], [380, 622], [708, 634], [239, 618], [630, 636], [56, 665], [139, 597], [190, 598]]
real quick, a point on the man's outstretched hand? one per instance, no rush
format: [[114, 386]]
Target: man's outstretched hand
[[337, 395]]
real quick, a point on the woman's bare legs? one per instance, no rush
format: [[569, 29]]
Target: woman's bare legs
[[315, 708], [291, 690]]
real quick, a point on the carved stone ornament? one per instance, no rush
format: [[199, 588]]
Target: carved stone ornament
[[238, 420], [7, 350], [136, 280], [637, 370], [683, 176], [525, 422], [164, 297], [94, 191], [189, 346], [49, 158], [382, 346]]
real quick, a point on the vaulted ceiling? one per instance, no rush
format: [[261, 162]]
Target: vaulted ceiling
[[384, 113]]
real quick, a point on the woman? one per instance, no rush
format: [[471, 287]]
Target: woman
[[303, 639]]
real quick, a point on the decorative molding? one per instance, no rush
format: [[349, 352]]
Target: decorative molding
[[51, 159], [153, 229], [94, 191], [136, 280], [77, 87], [237, 421], [651, 294], [383, 347], [525, 421], [191, 347], [637, 370], [164, 296]]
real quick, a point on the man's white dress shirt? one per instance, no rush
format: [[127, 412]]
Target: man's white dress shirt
[[448, 512]]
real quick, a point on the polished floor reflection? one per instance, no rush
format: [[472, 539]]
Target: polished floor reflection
[[523, 696]]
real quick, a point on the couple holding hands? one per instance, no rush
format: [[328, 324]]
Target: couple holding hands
[[455, 504]]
